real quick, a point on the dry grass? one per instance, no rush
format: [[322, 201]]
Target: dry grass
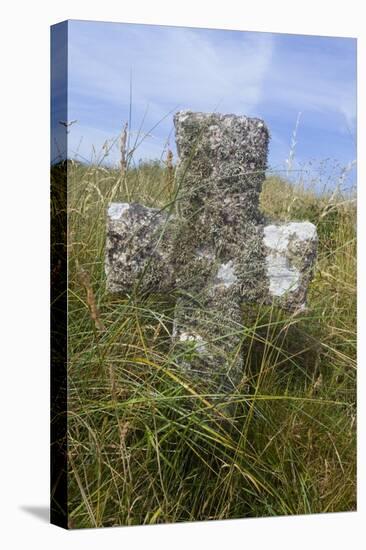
[[145, 443]]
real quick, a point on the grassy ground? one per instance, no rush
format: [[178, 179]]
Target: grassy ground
[[146, 444]]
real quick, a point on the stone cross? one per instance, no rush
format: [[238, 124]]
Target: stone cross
[[214, 250]]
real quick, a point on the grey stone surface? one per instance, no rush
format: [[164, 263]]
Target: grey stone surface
[[133, 252], [216, 250]]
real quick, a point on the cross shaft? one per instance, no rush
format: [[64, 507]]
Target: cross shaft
[[215, 248]]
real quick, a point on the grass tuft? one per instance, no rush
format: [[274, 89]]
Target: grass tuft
[[146, 444]]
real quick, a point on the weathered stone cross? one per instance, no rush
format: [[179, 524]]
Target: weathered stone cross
[[214, 249]]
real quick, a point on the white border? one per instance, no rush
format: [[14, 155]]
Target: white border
[[24, 270]]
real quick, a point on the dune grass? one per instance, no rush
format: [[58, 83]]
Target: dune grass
[[148, 445]]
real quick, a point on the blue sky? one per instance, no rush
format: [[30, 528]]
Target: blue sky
[[271, 76]]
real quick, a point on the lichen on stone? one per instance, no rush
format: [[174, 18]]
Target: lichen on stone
[[215, 252]]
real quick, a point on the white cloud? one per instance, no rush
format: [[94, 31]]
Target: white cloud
[[172, 68], [169, 65], [318, 80], [256, 74]]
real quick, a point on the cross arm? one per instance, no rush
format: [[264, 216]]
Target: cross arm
[[135, 253], [290, 253]]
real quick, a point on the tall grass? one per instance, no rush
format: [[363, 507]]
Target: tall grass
[[146, 444]]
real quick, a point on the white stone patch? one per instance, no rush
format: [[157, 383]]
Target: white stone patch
[[226, 275], [284, 278], [200, 343], [116, 209], [277, 237]]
